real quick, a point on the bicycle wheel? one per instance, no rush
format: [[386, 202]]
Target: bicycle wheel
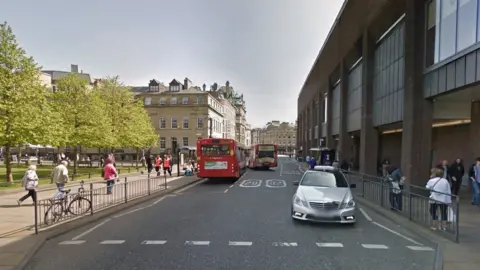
[[79, 206], [54, 213]]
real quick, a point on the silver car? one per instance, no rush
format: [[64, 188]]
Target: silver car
[[324, 195]]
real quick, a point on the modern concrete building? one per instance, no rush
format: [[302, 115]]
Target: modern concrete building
[[396, 80]]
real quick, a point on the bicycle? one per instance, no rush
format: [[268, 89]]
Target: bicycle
[[66, 205]]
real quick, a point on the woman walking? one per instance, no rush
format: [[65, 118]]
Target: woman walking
[[30, 183], [109, 174], [440, 198]]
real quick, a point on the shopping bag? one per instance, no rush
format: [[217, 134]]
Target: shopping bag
[[452, 217]]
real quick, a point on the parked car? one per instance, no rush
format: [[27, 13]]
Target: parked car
[[324, 195]]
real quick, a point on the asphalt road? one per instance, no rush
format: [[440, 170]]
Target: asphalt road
[[242, 225]]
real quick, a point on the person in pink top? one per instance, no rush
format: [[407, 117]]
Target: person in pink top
[[109, 174]]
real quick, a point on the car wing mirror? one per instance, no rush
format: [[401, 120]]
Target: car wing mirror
[[353, 185], [296, 183]]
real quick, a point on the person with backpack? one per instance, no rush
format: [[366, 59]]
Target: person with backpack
[[30, 183]]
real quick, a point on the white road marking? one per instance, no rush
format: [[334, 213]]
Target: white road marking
[[397, 233], [281, 169], [197, 243], [275, 183], [131, 211], [154, 242], [237, 243], [90, 230], [372, 246], [231, 186], [365, 214], [420, 248], [251, 183], [112, 242], [330, 245], [78, 242], [284, 244], [226, 190], [162, 198], [191, 186]]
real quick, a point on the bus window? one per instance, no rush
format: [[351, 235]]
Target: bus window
[[215, 150]]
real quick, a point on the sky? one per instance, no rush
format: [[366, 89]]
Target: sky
[[265, 48]]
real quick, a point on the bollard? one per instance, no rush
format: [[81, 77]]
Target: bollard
[[125, 190], [35, 206], [91, 198], [148, 184], [165, 182]]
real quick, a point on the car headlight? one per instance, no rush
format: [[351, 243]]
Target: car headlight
[[298, 201], [349, 203]]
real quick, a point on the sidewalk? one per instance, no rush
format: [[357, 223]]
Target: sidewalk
[[14, 218]]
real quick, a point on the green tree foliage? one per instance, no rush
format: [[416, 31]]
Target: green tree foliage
[[80, 113], [24, 108], [128, 125]]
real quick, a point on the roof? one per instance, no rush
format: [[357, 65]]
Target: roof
[[57, 75]]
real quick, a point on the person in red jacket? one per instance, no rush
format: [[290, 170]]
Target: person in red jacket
[[167, 165], [158, 164], [109, 174]]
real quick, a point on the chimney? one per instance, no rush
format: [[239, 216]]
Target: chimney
[[204, 87], [74, 68], [185, 83]]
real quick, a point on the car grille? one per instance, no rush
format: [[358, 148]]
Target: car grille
[[324, 206]]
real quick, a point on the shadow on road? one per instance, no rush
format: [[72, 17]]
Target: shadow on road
[[219, 181]]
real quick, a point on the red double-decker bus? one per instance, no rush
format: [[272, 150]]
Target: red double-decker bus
[[263, 156], [220, 158]]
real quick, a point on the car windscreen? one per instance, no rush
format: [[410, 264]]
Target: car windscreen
[[324, 179], [215, 150]]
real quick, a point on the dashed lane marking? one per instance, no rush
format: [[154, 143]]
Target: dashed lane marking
[[72, 242], [154, 242], [420, 248], [372, 246], [112, 242], [237, 243], [197, 243], [284, 244], [337, 245]]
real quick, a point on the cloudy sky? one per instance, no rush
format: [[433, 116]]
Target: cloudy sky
[[265, 48]]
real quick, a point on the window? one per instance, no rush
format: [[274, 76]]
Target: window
[[174, 123], [467, 22], [215, 150], [163, 142], [162, 123], [173, 100], [200, 100], [185, 100], [448, 28], [163, 101], [174, 144], [147, 101], [432, 34], [324, 179], [325, 111], [154, 88], [200, 123], [185, 141], [185, 122]]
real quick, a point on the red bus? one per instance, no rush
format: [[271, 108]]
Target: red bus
[[263, 156], [220, 158]]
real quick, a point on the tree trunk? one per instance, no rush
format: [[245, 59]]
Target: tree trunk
[[8, 163], [75, 160], [19, 156]]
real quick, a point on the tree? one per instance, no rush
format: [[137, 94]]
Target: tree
[[24, 108], [79, 111]]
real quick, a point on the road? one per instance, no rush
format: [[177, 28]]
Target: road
[[241, 225]]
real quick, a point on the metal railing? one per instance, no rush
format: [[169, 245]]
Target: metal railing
[[412, 202], [77, 203]]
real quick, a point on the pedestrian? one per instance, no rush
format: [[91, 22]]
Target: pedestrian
[[441, 198], [149, 163], [396, 181], [474, 175], [60, 178], [457, 170], [158, 164], [167, 165], [110, 174], [30, 183]]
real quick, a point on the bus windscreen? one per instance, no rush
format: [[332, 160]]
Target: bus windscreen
[[266, 151], [215, 150]]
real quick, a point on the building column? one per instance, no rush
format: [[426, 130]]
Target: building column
[[474, 132], [344, 141], [418, 111], [330, 139], [321, 112], [369, 137]]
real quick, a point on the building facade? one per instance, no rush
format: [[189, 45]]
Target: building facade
[[248, 136], [396, 80], [283, 134]]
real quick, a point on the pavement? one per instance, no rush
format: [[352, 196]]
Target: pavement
[[221, 224], [14, 218]]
